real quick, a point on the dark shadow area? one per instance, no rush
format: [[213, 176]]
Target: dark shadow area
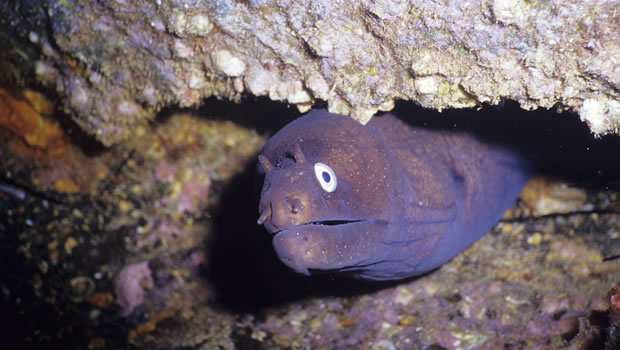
[[88, 144], [557, 145], [260, 113], [594, 332], [247, 275]]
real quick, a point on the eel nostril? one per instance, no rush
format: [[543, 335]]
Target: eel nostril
[[294, 205]]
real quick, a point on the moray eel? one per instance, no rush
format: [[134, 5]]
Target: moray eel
[[382, 201]]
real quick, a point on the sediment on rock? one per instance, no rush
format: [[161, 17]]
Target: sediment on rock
[[117, 63]]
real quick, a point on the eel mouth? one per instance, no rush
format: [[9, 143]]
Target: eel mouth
[[265, 218], [330, 222], [339, 222]]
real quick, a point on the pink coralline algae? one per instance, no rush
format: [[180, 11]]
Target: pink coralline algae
[[192, 193], [130, 284]]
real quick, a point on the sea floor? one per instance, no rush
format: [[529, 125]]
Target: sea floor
[[153, 244]]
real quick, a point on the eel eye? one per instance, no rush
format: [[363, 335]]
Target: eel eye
[[326, 177]]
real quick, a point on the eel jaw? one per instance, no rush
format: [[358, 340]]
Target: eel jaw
[[321, 245]]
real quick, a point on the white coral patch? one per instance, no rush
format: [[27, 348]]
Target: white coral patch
[[196, 79], [318, 85], [128, 108], [258, 81], [228, 64], [427, 85], [297, 94], [510, 11], [182, 50], [199, 25], [602, 115], [178, 21]]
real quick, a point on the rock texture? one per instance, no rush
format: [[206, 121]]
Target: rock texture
[[118, 62]]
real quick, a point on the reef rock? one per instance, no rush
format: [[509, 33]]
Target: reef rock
[[116, 63]]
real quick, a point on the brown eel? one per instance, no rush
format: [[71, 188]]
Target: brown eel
[[382, 201]]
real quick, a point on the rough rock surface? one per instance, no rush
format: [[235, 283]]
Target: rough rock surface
[[118, 62]]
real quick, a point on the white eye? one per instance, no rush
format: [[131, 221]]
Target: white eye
[[326, 177]]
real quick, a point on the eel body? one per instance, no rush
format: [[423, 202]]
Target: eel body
[[382, 201]]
